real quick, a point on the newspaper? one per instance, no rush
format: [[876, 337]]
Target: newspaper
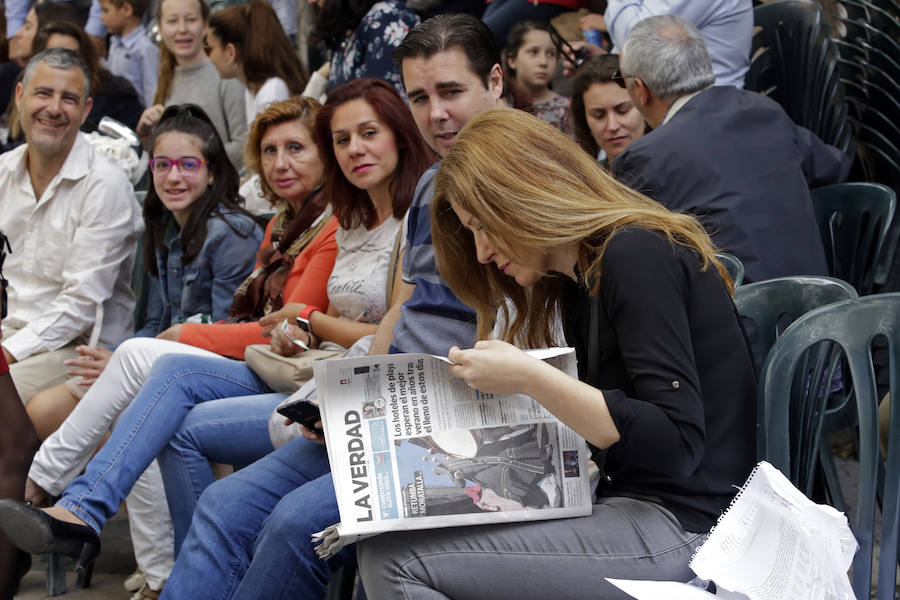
[[773, 543], [413, 447]]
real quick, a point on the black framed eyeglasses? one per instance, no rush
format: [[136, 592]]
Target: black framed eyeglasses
[[4, 246]]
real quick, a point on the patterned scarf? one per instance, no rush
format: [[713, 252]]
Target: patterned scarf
[[263, 290]]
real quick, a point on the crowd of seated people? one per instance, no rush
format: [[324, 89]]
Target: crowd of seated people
[[404, 176]]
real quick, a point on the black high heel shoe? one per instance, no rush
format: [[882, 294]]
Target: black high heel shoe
[[36, 532]]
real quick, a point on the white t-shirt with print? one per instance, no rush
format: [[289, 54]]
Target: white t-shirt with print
[[358, 283]]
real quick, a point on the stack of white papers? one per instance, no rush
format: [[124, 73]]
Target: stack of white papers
[[772, 543]]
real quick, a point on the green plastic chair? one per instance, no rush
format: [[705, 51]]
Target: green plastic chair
[[733, 265], [772, 306], [775, 303], [793, 394], [855, 221]]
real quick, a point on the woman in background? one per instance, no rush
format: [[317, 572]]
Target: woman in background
[[247, 42], [186, 76], [603, 116]]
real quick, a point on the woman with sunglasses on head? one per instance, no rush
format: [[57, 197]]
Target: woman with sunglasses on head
[[666, 386], [246, 42], [603, 115]]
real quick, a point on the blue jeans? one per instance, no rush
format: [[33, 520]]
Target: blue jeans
[[250, 537], [232, 431], [174, 385]]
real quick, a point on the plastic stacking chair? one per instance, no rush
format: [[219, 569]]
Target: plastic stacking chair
[[796, 63], [733, 265], [793, 392], [855, 221], [774, 304]]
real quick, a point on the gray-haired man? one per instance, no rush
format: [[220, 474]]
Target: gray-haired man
[[72, 221], [732, 158]]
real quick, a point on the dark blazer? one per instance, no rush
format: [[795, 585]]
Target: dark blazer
[[736, 161]]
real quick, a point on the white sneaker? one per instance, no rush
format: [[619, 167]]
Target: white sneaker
[[135, 581]]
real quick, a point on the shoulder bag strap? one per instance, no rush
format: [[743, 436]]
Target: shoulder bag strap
[[392, 269]]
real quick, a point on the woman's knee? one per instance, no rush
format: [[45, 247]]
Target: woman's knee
[[49, 408]]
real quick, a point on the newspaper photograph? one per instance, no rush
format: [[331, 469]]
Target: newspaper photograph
[[413, 447]]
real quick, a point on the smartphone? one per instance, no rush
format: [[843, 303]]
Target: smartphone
[[304, 412]]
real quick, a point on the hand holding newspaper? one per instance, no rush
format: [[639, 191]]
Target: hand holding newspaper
[[773, 543], [413, 447]]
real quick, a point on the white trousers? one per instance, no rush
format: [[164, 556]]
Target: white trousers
[[64, 454]]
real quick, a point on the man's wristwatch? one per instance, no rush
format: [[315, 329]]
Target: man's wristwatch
[[303, 318]]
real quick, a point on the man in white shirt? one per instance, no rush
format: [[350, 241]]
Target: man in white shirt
[[73, 223]]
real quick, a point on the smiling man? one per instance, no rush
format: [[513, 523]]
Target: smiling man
[[73, 223]]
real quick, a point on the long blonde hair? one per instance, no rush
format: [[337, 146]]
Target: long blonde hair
[[533, 188]]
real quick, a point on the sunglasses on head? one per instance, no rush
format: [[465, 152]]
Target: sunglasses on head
[[191, 110], [619, 79]]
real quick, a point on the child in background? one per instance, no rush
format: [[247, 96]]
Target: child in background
[[531, 60], [131, 53]]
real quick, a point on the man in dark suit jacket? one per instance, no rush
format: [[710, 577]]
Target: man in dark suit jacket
[[732, 158]]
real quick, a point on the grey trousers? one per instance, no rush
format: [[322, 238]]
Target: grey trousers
[[569, 558]]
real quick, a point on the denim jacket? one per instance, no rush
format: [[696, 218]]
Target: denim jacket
[[205, 285]]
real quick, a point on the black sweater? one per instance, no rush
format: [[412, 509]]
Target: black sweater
[[677, 377]]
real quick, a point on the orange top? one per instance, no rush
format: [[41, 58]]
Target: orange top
[[306, 283]]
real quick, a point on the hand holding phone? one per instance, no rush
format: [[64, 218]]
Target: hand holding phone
[[304, 412]]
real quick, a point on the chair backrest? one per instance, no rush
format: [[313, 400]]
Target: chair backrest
[[733, 265], [775, 303], [855, 221], [793, 393]]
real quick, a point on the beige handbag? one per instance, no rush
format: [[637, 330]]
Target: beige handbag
[[284, 374]]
